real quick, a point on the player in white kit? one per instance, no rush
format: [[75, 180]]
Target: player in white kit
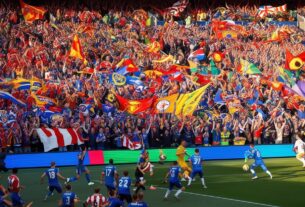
[[299, 146]]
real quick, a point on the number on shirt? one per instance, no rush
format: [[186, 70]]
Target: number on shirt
[[197, 160], [68, 200], [173, 173], [52, 175], [123, 184], [108, 171]]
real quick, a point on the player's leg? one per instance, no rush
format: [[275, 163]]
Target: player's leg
[[252, 167], [16, 200], [264, 168], [75, 178], [193, 174], [87, 174], [180, 189], [128, 198], [168, 191], [50, 192], [200, 173], [300, 157]]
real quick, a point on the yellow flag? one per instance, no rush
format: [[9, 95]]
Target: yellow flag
[[164, 59], [188, 103], [166, 104]]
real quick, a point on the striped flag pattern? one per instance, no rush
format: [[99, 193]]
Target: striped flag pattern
[[58, 137], [263, 11], [129, 144]]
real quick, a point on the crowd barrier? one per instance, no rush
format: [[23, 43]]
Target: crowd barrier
[[128, 156], [244, 23]]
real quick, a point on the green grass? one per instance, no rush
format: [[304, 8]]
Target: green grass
[[224, 179]]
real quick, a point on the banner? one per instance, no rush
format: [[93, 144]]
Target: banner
[[57, 137], [301, 22]]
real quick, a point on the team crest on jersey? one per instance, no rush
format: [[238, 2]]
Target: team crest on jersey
[[163, 105]]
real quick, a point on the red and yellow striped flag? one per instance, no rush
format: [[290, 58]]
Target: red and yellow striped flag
[[31, 13], [76, 49]]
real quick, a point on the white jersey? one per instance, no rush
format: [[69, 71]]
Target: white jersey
[[299, 145]]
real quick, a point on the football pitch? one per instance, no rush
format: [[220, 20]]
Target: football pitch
[[227, 185]]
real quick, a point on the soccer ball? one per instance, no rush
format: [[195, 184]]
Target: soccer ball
[[245, 167], [162, 157]]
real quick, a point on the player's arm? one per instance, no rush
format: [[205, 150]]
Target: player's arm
[[166, 176], [42, 177], [116, 177], [139, 166], [60, 176]]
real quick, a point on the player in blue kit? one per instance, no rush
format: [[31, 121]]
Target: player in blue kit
[[111, 176], [53, 174], [113, 201], [253, 153], [124, 187], [68, 198], [81, 168], [174, 175], [196, 162]]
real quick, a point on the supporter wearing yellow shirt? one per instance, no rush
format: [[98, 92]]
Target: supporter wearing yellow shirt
[[180, 153]]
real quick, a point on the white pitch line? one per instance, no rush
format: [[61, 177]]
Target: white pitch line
[[223, 198]]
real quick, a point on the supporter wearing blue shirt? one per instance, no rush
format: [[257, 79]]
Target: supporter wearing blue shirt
[[53, 174]]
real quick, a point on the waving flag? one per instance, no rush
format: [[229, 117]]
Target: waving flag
[[177, 7], [164, 59], [25, 84], [76, 49], [131, 145], [41, 101], [126, 65], [229, 34], [134, 106], [218, 56], [294, 62], [117, 79], [165, 104], [153, 47], [8, 96], [31, 13], [264, 11], [246, 67], [58, 137], [188, 102], [198, 54]]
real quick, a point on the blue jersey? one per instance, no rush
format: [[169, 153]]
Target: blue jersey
[[174, 174], [254, 154], [124, 185], [109, 171], [80, 159], [68, 199], [115, 202], [52, 176], [196, 162]]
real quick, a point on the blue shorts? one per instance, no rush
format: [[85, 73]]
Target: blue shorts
[[81, 169], [173, 184], [259, 164], [55, 187], [195, 172], [16, 200], [110, 187]]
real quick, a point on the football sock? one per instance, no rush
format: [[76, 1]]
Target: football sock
[[167, 193], [88, 178], [178, 192], [202, 181], [253, 172]]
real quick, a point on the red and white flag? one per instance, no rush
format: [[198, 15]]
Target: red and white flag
[[264, 11], [178, 7], [58, 137], [130, 145]]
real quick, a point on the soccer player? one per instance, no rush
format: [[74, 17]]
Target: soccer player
[[53, 174], [196, 162], [174, 173], [134, 202], [299, 149], [113, 201], [140, 200], [111, 176], [81, 168], [180, 153], [3, 194], [124, 187], [139, 173], [96, 200], [68, 198], [253, 153], [14, 188]]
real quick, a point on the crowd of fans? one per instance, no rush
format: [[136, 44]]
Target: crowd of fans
[[41, 50]]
